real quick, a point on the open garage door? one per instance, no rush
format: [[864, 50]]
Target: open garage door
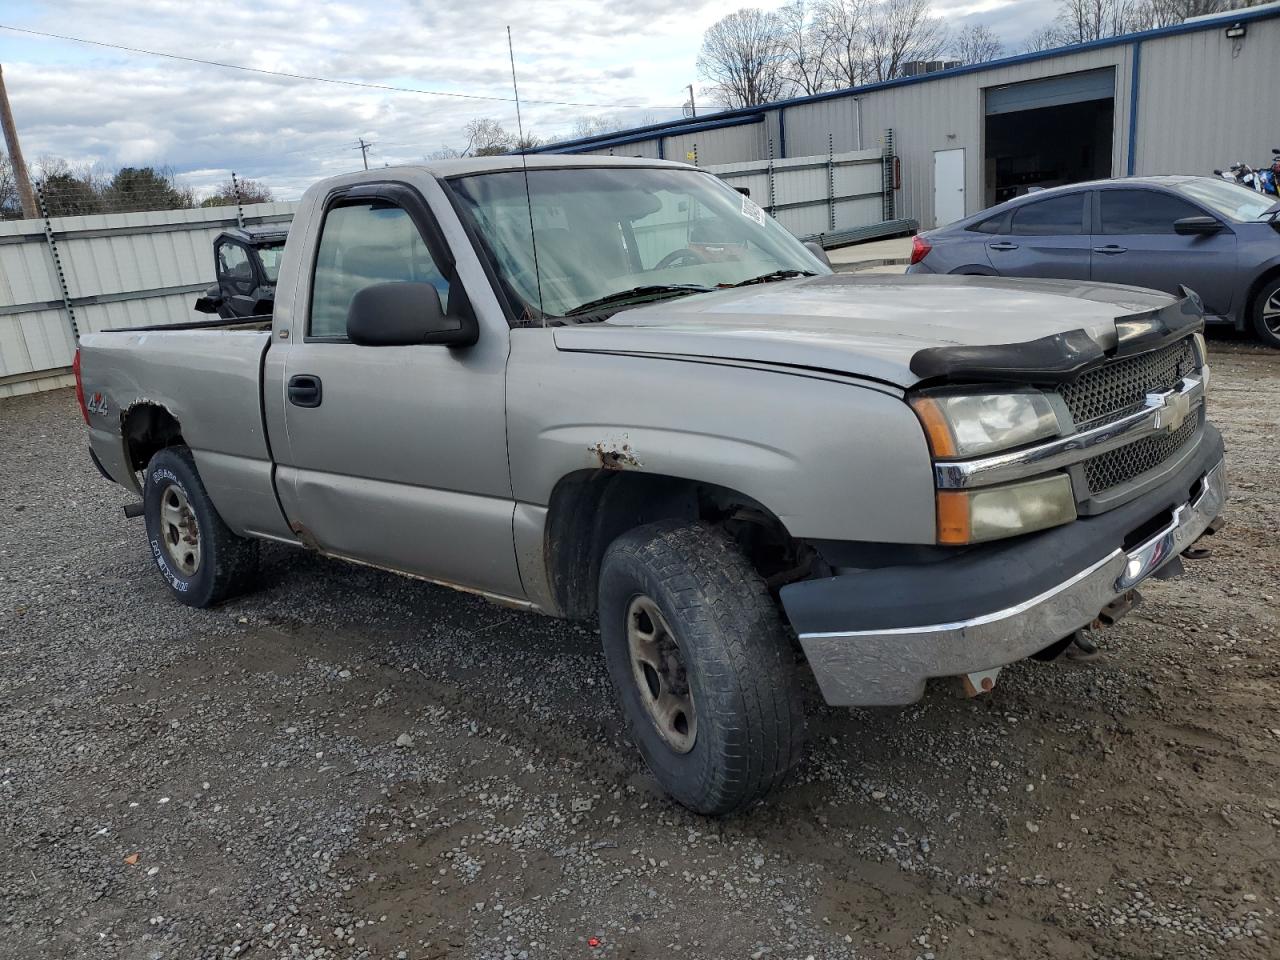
[[1044, 133]]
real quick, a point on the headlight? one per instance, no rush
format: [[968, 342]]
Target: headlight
[[988, 513], [1202, 355], [969, 424]]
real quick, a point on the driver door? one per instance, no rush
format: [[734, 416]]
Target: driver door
[[395, 455]]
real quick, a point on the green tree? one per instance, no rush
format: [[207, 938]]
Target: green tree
[[68, 195], [134, 189]]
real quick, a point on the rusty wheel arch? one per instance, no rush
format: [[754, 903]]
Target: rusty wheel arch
[[590, 509], [146, 429]]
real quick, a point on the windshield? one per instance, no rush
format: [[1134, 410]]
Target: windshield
[[270, 255], [1227, 199], [604, 231]]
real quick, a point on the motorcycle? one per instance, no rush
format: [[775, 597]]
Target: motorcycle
[[1265, 180]]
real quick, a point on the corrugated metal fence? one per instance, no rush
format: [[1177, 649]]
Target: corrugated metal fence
[[68, 275], [812, 196]]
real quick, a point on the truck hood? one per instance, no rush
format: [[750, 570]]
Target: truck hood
[[862, 326]]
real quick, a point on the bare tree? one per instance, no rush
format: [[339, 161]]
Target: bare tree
[[842, 24], [742, 59], [10, 206], [445, 152], [976, 43], [1080, 21], [1046, 38], [486, 138], [805, 47], [1149, 14], [241, 190], [902, 31], [593, 125]]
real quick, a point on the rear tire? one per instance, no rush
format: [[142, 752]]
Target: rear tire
[[1266, 313], [201, 560], [701, 665]]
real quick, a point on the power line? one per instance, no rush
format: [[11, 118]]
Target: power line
[[303, 76]]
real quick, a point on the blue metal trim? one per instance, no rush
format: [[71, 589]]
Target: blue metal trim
[[782, 133], [675, 127], [1135, 74], [636, 136]]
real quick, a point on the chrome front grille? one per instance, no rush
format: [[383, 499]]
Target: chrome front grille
[[1119, 466], [1120, 387]]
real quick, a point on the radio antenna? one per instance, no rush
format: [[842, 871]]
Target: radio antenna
[[524, 162]]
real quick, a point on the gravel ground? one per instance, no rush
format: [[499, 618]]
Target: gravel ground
[[351, 764]]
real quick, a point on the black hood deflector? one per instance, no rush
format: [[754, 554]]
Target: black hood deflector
[[1061, 357]]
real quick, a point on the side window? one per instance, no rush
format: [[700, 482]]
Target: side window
[[1142, 211], [989, 225], [234, 267], [362, 244], [1057, 216]]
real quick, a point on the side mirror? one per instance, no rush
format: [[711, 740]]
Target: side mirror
[[207, 304], [745, 191], [405, 314], [816, 249], [1196, 226]]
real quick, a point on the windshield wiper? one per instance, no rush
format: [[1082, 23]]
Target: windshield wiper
[[767, 277], [622, 298]]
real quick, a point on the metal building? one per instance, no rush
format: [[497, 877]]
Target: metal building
[[1181, 99]]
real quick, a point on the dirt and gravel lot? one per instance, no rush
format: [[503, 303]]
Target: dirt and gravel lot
[[351, 764]]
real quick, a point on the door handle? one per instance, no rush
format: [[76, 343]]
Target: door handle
[[1110, 249], [305, 390], [1002, 245]]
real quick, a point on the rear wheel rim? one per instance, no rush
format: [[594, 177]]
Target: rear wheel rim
[[179, 530], [660, 675], [1271, 314]]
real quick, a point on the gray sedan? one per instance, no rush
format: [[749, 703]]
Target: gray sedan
[[1216, 238]]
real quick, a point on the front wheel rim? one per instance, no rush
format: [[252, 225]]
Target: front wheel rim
[[1271, 314], [660, 675], [179, 530]]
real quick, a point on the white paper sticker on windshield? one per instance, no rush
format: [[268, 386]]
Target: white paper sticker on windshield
[[752, 209]]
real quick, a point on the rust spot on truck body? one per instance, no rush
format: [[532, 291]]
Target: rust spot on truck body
[[615, 456], [303, 534]]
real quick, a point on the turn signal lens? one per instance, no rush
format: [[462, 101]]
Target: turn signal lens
[[973, 516]]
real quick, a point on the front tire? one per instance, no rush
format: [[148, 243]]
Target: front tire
[[202, 562], [701, 665], [1266, 313]]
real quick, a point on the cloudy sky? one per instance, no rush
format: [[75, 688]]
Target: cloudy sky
[[92, 104]]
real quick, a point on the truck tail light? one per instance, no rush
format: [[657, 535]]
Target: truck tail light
[[920, 248], [75, 368]]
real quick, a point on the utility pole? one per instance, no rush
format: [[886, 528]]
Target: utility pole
[[25, 195], [364, 151], [693, 109]]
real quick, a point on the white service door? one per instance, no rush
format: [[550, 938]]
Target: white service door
[[948, 186]]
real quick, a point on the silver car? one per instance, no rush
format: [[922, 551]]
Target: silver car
[[1216, 238]]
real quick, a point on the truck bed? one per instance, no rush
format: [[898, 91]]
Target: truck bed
[[207, 376]]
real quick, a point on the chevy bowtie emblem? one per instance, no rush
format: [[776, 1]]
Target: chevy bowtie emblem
[[1171, 409]]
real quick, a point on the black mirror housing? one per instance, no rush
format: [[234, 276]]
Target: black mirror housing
[[814, 247], [405, 314], [1197, 226]]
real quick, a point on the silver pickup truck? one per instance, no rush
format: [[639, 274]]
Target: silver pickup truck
[[615, 388]]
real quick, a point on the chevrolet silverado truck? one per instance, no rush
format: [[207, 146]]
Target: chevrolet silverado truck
[[617, 389]]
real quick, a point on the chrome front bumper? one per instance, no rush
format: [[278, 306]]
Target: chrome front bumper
[[890, 667]]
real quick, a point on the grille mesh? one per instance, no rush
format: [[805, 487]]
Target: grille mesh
[[1120, 387], [1118, 466]]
